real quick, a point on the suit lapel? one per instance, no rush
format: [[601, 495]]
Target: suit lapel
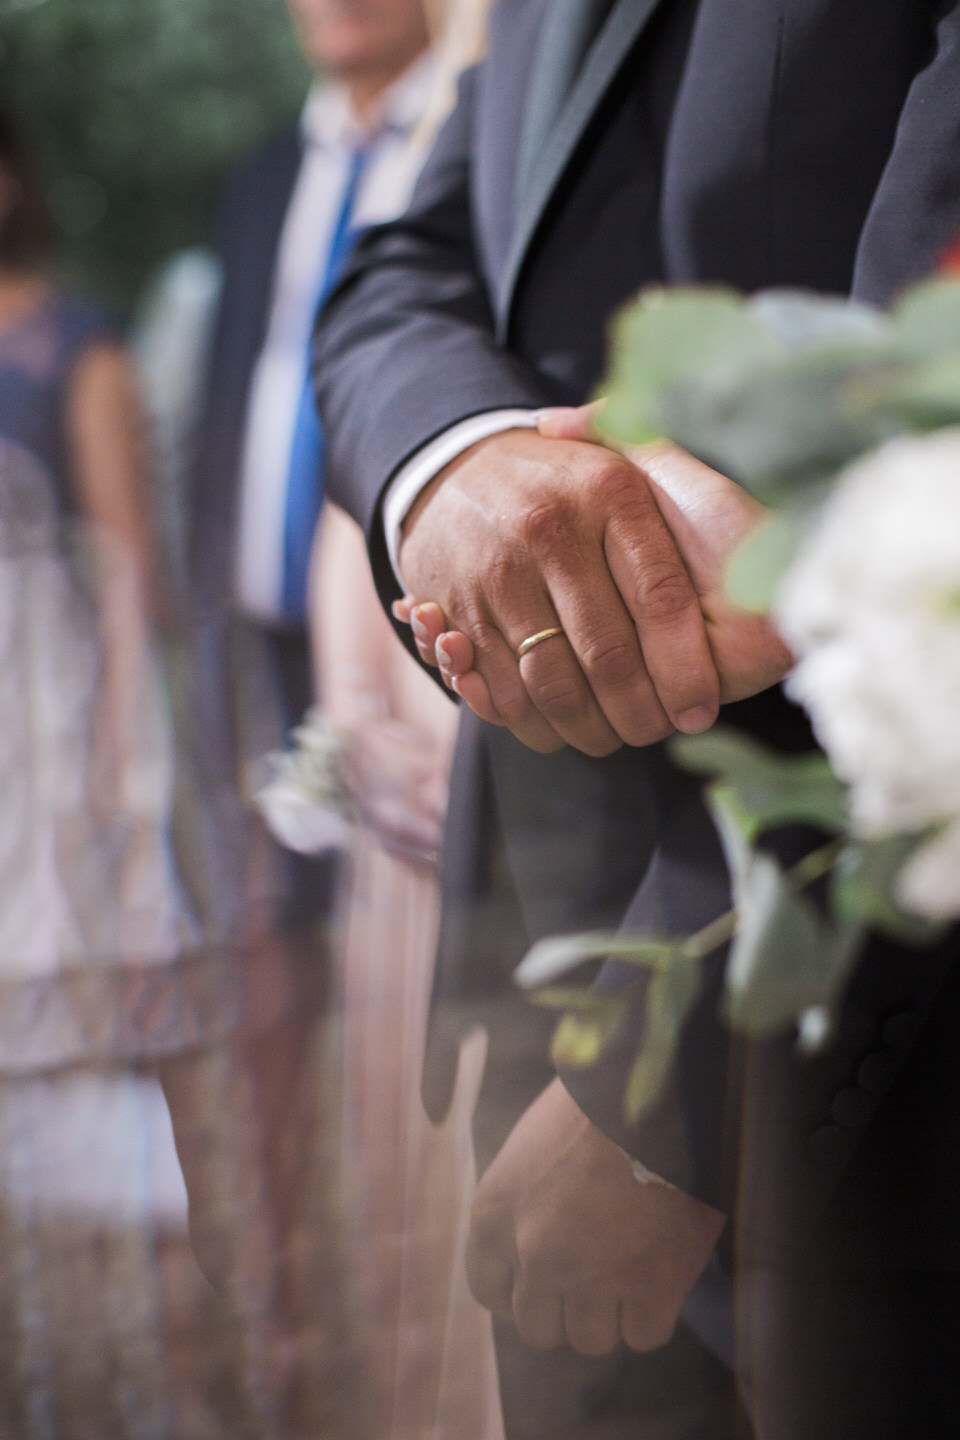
[[623, 27]]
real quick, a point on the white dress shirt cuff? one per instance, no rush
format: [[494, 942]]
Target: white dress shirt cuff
[[420, 469]]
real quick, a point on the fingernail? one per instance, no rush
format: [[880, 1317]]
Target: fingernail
[[419, 629], [396, 611], [548, 420], [695, 720], [443, 654]]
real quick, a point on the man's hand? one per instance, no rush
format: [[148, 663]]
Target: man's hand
[[571, 1246], [708, 515], [523, 533]]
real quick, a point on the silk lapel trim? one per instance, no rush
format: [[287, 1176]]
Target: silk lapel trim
[[622, 29]]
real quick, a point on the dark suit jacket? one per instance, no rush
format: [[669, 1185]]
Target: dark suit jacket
[[808, 143], [251, 222]]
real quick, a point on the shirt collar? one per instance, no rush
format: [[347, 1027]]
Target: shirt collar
[[327, 119]]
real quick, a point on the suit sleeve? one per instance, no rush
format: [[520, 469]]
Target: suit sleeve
[[915, 213], [405, 346]]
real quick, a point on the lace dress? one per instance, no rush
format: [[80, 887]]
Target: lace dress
[[107, 1327], [85, 878]]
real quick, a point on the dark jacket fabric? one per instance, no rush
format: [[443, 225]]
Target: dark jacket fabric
[[811, 143], [250, 225]]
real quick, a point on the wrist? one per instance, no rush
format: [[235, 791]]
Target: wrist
[[466, 456]]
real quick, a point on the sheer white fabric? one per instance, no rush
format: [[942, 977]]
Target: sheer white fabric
[[427, 1347], [86, 875]]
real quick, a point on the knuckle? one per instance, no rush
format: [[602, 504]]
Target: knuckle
[[480, 631], [615, 484], [546, 527], [610, 661], [557, 697], [513, 705], [663, 592]]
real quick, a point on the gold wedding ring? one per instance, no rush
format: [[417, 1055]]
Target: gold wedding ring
[[531, 641]]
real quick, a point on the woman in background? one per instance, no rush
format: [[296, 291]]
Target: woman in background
[[92, 1209], [84, 868], [408, 1184], [381, 744]]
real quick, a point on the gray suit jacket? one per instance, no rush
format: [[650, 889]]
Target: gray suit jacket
[[810, 143]]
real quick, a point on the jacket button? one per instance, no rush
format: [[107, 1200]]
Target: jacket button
[[852, 1108], [876, 1072], [830, 1144]]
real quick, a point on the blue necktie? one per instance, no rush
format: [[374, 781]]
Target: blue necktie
[[305, 475]]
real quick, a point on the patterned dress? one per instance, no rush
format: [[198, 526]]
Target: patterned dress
[[108, 1328]]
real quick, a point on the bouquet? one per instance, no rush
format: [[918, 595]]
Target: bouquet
[[845, 422]]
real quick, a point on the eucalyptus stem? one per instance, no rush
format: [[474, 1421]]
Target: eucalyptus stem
[[806, 871]]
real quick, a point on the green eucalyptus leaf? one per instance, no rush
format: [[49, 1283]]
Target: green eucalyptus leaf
[[862, 888], [557, 955], [785, 959], [761, 788], [926, 320], [776, 427], [580, 1040], [804, 321], [924, 396], [582, 998], [722, 751], [671, 338], [737, 827], [757, 566], [669, 998], [757, 389]]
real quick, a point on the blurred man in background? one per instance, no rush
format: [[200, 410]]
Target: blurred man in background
[[290, 215]]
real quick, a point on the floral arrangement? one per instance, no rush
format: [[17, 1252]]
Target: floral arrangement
[[375, 773], [306, 801], [845, 422]]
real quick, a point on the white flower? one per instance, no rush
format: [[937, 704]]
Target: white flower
[[306, 802], [872, 608], [298, 822]]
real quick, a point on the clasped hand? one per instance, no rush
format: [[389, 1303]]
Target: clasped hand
[[571, 1247], [530, 530]]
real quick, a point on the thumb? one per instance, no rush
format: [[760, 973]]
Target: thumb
[[569, 422]]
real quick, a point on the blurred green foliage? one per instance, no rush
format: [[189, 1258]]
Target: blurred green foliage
[[135, 108]]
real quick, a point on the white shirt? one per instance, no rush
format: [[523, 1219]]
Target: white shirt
[[330, 135]]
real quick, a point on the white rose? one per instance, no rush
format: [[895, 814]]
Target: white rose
[[872, 608]]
